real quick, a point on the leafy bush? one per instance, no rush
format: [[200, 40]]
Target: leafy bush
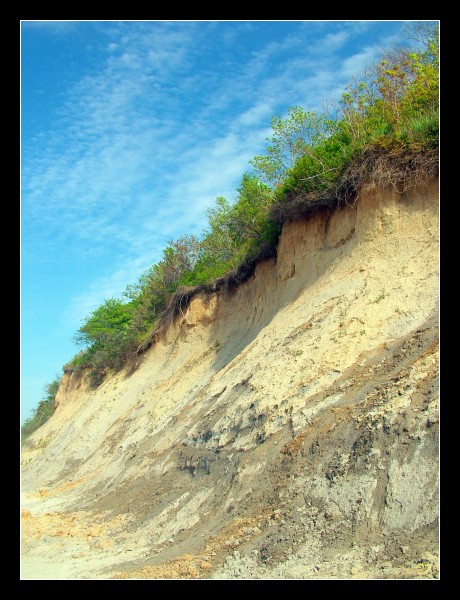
[[292, 137], [321, 165], [384, 106], [108, 334], [44, 410]]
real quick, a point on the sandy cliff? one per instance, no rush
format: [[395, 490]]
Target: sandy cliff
[[287, 429]]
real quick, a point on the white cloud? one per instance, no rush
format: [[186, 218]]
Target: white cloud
[[330, 43], [356, 64], [259, 114]]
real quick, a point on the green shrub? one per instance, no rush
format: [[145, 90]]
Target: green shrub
[[321, 166], [44, 410]]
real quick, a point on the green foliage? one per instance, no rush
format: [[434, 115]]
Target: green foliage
[[420, 130], [239, 229], [111, 318], [291, 138], [220, 245], [321, 165], [235, 232], [250, 210], [108, 334], [393, 105], [397, 101], [150, 297], [44, 410]]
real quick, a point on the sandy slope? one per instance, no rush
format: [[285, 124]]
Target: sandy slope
[[288, 429]]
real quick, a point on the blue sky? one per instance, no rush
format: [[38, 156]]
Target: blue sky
[[130, 130]]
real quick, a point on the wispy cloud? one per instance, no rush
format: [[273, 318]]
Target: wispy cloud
[[356, 63], [330, 43]]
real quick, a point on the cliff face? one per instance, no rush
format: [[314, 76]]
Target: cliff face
[[288, 429]]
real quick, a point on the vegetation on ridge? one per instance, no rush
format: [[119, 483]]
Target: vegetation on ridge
[[385, 128], [43, 411]]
